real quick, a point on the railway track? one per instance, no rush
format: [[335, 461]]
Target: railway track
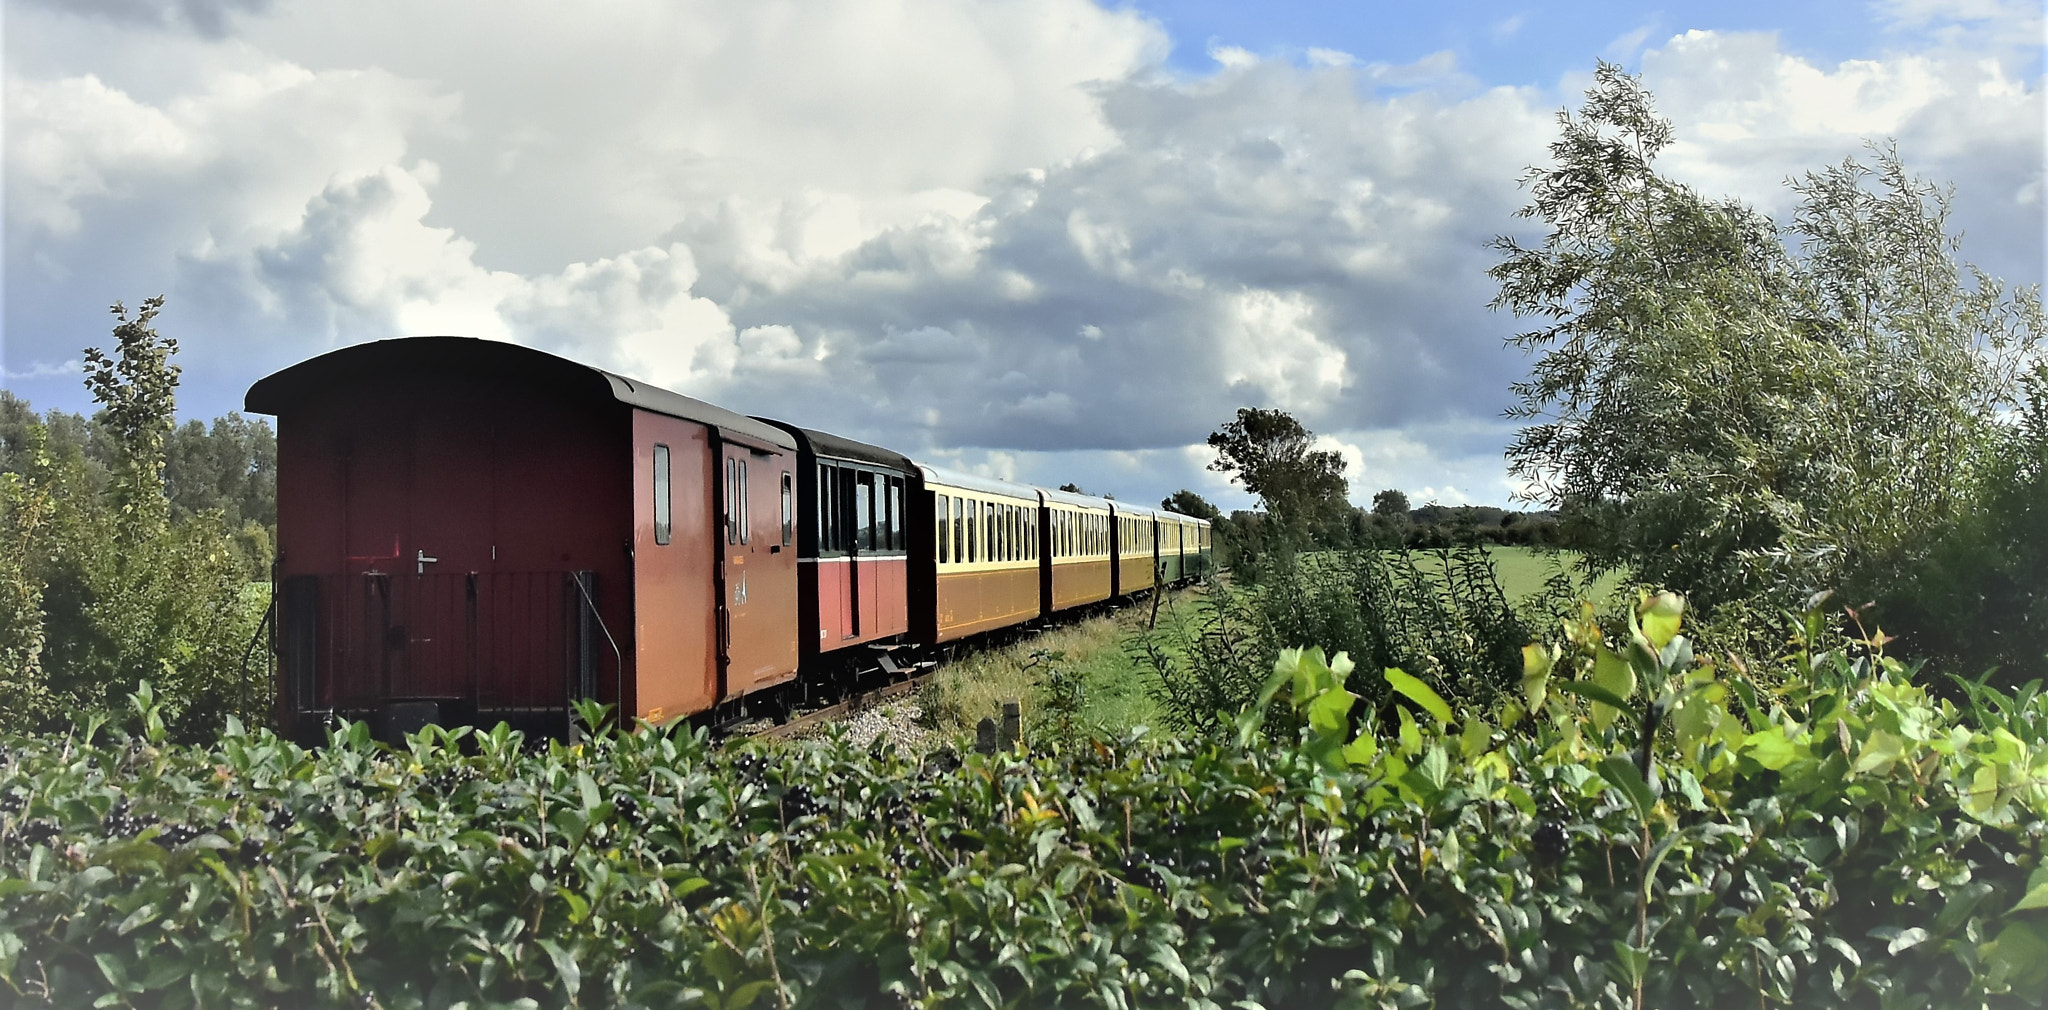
[[797, 725]]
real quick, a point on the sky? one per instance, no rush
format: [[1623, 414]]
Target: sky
[[1047, 240]]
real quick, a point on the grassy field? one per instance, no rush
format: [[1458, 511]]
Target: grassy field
[[1523, 570]]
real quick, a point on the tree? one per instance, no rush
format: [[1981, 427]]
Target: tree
[[1730, 414], [1268, 452], [100, 586], [1390, 503], [1072, 488], [1188, 503]]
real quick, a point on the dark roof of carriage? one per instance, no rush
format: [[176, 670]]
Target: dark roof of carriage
[[468, 356], [824, 443]]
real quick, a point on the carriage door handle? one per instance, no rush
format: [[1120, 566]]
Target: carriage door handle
[[424, 561]]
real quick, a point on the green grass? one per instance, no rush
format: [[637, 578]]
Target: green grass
[[1115, 686], [1523, 570]]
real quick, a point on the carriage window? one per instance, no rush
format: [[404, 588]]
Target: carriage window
[[826, 542], [975, 536], [741, 518], [896, 523], [959, 529], [942, 543], [788, 508], [662, 526], [864, 511], [732, 492]]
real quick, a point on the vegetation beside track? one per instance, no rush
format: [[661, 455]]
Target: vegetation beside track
[[1851, 842]]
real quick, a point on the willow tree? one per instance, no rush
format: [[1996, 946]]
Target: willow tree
[[1740, 410]]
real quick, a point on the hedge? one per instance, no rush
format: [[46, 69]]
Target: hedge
[[1864, 845]]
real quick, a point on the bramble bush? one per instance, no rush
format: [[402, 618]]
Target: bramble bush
[[1630, 828]]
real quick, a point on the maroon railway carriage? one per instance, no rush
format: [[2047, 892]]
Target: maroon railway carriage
[[472, 531], [852, 549]]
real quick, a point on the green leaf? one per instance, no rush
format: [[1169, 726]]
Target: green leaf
[[1360, 752], [1409, 735], [745, 995], [1660, 616], [2037, 890], [110, 966], [1537, 663], [2020, 955], [1327, 714], [1412, 688], [1897, 939], [565, 965], [1591, 692], [579, 909], [1621, 773], [1612, 674], [1880, 751], [1436, 767], [1476, 738]]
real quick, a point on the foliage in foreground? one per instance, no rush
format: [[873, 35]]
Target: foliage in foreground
[[1852, 844]]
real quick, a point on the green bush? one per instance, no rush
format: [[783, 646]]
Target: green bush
[[1452, 625], [1850, 844]]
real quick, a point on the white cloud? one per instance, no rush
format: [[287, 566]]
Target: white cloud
[[1271, 346], [996, 233]]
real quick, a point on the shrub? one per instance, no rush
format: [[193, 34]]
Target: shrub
[[1451, 623], [1852, 844]]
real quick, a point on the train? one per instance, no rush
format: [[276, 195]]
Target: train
[[472, 532]]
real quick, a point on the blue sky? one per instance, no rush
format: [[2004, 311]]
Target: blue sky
[[1502, 43], [1041, 239]]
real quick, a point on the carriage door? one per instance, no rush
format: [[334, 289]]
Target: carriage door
[[419, 521], [759, 573]]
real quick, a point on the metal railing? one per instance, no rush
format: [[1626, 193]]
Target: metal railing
[[484, 646]]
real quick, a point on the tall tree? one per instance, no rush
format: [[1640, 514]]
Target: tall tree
[[1390, 503], [1188, 503], [1726, 413], [1271, 454]]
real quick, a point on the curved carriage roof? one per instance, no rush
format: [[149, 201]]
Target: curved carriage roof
[[987, 485], [824, 443], [1086, 501], [469, 356]]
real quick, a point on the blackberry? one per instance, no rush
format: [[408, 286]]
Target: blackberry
[[253, 853], [175, 835], [11, 802], [1549, 842], [798, 803], [627, 809], [38, 832]]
